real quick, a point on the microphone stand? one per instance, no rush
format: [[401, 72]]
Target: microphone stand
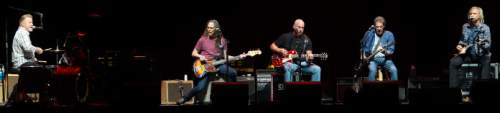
[[227, 57], [28, 11], [303, 54], [6, 44], [6, 67]]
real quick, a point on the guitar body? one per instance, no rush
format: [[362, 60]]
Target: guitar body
[[278, 60], [200, 68]]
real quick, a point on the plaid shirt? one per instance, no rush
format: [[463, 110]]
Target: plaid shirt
[[22, 50], [470, 35]]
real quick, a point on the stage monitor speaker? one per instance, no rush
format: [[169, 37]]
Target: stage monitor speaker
[[172, 90], [484, 92], [229, 93], [250, 80], [344, 89], [301, 93], [379, 92], [435, 96]]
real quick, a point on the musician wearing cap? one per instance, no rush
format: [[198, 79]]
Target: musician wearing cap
[[473, 46], [377, 47], [22, 49]]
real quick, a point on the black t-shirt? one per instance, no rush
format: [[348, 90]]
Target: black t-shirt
[[290, 42]]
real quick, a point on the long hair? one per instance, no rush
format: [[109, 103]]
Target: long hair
[[217, 32], [481, 14], [216, 25]]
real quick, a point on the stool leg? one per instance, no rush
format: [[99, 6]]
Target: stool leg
[[379, 75]]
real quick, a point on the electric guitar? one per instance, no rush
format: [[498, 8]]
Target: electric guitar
[[200, 68], [278, 60], [367, 59], [466, 46], [356, 81]]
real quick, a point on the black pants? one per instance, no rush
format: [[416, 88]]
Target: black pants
[[33, 77], [456, 78]]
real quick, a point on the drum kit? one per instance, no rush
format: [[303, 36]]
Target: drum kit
[[60, 82]]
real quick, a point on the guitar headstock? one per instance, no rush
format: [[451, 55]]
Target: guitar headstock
[[254, 52], [323, 56]]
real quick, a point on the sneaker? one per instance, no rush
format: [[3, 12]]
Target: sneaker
[[466, 99], [181, 101]]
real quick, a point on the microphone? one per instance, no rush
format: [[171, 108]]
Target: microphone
[[37, 13], [371, 27], [37, 27], [470, 18]]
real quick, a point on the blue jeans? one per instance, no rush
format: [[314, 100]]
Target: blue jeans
[[292, 67], [202, 85], [388, 65]]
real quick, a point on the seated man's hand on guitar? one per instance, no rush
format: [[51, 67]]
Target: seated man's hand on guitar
[[242, 56], [461, 49], [202, 58], [283, 52], [38, 50], [380, 48]]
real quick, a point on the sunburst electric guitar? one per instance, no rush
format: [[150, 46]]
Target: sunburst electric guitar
[[200, 68]]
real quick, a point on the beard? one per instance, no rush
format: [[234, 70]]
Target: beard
[[380, 33]]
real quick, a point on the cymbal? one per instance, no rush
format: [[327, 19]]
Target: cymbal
[[55, 51]]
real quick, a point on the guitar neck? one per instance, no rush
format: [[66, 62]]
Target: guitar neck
[[372, 55], [317, 55], [378, 51], [314, 55], [218, 62]]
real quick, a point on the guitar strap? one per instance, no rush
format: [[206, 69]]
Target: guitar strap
[[290, 42], [221, 50]]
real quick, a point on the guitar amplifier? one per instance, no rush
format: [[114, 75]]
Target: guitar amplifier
[[173, 90], [264, 86], [472, 69]]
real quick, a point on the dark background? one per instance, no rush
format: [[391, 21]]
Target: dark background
[[426, 31]]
